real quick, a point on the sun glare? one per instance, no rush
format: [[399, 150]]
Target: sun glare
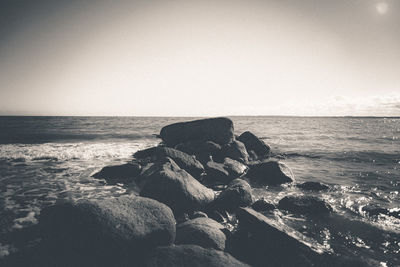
[[382, 8]]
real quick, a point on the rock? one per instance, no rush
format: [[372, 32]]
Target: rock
[[375, 210], [238, 194], [304, 205], [217, 130], [190, 255], [253, 143], [235, 168], [216, 173], [106, 230], [313, 186], [263, 205], [203, 150], [204, 232], [171, 185], [119, 173], [235, 150], [217, 216], [184, 161], [198, 214], [263, 242], [267, 173]]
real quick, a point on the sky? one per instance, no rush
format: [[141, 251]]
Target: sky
[[200, 58]]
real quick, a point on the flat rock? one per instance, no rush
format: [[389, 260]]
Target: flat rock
[[313, 186], [173, 186], [190, 255], [263, 242], [254, 144], [217, 130], [119, 173], [304, 205], [267, 173], [237, 194], [204, 232], [106, 229]]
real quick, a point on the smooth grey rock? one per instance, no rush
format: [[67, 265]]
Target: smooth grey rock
[[267, 173], [304, 205], [235, 150], [204, 232], [253, 143], [119, 173], [218, 130], [237, 194], [263, 205]]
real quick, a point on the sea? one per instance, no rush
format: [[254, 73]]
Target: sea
[[47, 159]]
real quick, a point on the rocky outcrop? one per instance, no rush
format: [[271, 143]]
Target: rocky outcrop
[[184, 161], [313, 186], [262, 242], [267, 173], [237, 194], [235, 150], [106, 229], [173, 186], [190, 255], [204, 232], [254, 145], [119, 173], [304, 205], [217, 130]]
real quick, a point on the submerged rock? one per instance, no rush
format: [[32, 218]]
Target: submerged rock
[[169, 184], [263, 205], [218, 130], [304, 205], [267, 173], [237, 194], [262, 242], [235, 150], [313, 186], [119, 173], [190, 255], [204, 232], [106, 229], [254, 145]]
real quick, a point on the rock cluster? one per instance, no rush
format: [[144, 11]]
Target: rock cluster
[[189, 188]]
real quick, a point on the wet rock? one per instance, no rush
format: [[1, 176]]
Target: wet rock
[[237, 194], [203, 232], [106, 229], [148, 153], [190, 255], [262, 242], [313, 186], [267, 173], [235, 168], [217, 130], [184, 161], [259, 149], [235, 150], [263, 205], [216, 173], [304, 205], [171, 185], [375, 210], [119, 173]]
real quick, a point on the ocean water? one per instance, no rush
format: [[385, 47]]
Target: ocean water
[[45, 159]]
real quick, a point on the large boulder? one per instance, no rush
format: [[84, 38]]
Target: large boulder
[[261, 241], [237, 194], [304, 205], [190, 255], [169, 184], [253, 143], [235, 150], [119, 173], [218, 130], [267, 173], [224, 172], [203, 150], [184, 161], [106, 230], [204, 232]]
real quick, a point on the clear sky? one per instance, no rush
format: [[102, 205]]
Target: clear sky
[[200, 58]]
